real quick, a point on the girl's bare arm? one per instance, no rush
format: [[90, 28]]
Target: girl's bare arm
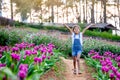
[[68, 28], [87, 28]]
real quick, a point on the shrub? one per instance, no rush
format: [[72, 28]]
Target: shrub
[[104, 35], [3, 37], [14, 38], [8, 37]]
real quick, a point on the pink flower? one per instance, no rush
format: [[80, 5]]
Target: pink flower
[[2, 65], [22, 74], [34, 52], [48, 57], [114, 70], [15, 56], [118, 75], [0, 55], [119, 64], [37, 59], [105, 69], [43, 57], [111, 75], [15, 49], [23, 69], [28, 52]]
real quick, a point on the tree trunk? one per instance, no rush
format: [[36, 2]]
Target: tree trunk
[[41, 16], [118, 1], [57, 13], [79, 17], [63, 15], [0, 7], [101, 12], [11, 6], [96, 13], [92, 12], [104, 12], [83, 14], [86, 11], [67, 14], [52, 13]]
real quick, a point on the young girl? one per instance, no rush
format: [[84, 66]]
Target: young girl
[[77, 45]]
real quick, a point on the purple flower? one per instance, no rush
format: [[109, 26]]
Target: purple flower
[[23, 69], [0, 55], [22, 74], [114, 70], [119, 64], [39, 60], [28, 52], [51, 53], [118, 75], [48, 57], [117, 79], [105, 69], [103, 63], [24, 56], [36, 48], [36, 59], [34, 52], [31, 45], [117, 59], [23, 65], [43, 57], [15, 56], [111, 75], [50, 50], [43, 50], [2, 65], [15, 49], [51, 45], [91, 52]]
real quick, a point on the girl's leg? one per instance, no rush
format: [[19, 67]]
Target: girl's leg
[[78, 63], [74, 63]]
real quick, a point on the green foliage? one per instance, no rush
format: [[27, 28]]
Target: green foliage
[[3, 37], [65, 46], [99, 46], [35, 70], [104, 35], [14, 38], [8, 37]]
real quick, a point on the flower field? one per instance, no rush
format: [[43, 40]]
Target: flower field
[[26, 61], [107, 66]]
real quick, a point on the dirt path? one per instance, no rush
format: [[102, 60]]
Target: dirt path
[[69, 72]]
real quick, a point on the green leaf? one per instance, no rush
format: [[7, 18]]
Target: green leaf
[[9, 73]]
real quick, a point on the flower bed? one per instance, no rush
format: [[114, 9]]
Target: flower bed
[[26, 61], [107, 66]]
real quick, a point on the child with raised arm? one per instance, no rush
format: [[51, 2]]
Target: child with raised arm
[[76, 45]]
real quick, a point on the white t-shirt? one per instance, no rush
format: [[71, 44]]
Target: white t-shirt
[[77, 37]]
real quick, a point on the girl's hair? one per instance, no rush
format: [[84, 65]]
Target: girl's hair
[[74, 27]]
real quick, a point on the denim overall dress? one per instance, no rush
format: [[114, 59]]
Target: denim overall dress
[[76, 46]]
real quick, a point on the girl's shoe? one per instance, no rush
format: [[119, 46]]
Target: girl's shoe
[[79, 72], [74, 71]]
